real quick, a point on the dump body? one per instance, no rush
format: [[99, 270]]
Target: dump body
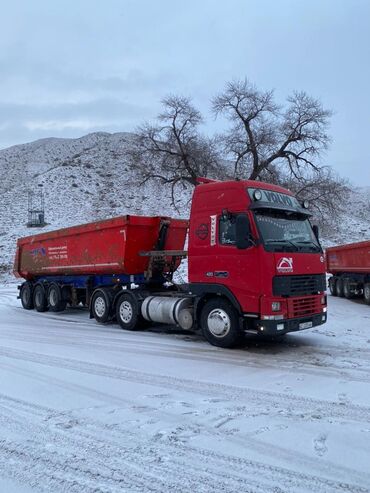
[[354, 258], [350, 269], [105, 247]]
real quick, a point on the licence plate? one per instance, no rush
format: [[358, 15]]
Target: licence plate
[[305, 325]]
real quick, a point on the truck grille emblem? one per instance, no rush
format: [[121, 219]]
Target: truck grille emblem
[[285, 264]]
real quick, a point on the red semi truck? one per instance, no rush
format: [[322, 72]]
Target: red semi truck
[[350, 269], [255, 265]]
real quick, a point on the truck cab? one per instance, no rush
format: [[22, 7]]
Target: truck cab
[[252, 244]]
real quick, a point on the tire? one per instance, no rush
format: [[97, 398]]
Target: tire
[[26, 296], [340, 287], [220, 324], [367, 293], [39, 298], [55, 298], [101, 306], [333, 286], [347, 292], [128, 312]]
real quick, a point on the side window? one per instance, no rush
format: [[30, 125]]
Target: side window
[[227, 230]]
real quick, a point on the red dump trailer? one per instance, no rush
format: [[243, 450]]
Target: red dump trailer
[[255, 265], [108, 247], [350, 268]]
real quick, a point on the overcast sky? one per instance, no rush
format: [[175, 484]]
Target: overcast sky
[[71, 67]]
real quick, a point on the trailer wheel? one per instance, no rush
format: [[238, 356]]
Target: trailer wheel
[[39, 298], [219, 323], [55, 298], [333, 286], [340, 287], [128, 312], [26, 296], [100, 306], [347, 291], [367, 293]]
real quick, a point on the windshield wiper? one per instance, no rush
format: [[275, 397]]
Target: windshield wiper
[[311, 243], [284, 241]]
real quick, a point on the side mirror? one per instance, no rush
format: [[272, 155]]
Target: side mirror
[[315, 229], [242, 231]]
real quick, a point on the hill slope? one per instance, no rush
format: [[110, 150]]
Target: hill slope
[[89, 178]]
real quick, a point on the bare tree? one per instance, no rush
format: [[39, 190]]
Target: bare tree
[[264, 136], [172, 150]]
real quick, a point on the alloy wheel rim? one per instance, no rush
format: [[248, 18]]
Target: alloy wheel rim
[[99, 306], [219, 323], [125, 311]]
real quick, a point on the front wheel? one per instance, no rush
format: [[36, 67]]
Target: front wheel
[[220, 324]]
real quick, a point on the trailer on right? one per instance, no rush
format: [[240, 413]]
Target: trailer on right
[[349, 266]]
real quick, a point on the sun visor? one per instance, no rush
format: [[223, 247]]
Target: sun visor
[[279, 207]]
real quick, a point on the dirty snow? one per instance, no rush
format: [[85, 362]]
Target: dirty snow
[[89, 408]]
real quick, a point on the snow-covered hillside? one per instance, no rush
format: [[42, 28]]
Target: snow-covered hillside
[[89, 178], [83, 180]]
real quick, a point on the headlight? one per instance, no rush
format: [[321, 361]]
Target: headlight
[[323, 300], [275, 306]]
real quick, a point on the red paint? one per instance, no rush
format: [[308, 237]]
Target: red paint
[[112, 246], [353, 257], [104, 247], [250, 271]]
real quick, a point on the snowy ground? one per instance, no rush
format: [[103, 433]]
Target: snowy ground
[[86, 408]]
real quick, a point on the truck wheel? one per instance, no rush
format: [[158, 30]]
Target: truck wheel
[[27, 296], [55, 298], [100, 306], [347, 291], [39, 299], [333, 286], [219, 323], [128, 312], [367, 293], [340, 287]]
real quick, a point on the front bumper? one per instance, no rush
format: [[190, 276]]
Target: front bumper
[[279, 327]]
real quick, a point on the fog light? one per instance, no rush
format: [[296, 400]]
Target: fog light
[[323, 318], [275, 306]]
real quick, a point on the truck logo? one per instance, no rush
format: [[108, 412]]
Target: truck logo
[[202, 231], [285, 264], [38, 251]]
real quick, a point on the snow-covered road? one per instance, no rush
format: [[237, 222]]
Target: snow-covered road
[[88, 408]]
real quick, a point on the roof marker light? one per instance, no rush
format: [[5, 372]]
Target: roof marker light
[[257, 194]]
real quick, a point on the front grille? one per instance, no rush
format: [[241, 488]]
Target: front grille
[[298, 285], [304, 306]]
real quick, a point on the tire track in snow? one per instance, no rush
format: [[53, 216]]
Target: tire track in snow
[[347, 370], [211, 469], [294, 403]]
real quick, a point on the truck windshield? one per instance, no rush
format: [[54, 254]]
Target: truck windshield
[[286, 232]]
